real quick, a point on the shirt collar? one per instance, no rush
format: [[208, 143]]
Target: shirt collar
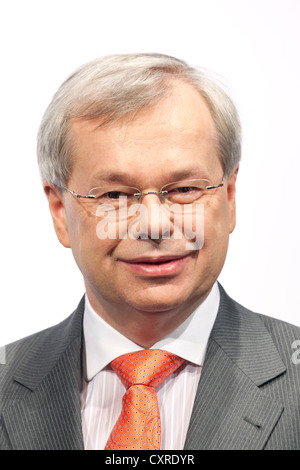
[[103, 343]]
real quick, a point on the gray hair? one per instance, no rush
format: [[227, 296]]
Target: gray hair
[[114, 87]]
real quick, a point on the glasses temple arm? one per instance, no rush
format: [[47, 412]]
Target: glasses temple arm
[[218, 186], [78, 195]]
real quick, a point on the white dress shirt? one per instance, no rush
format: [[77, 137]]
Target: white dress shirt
[[101, 398]]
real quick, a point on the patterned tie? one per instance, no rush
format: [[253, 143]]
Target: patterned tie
[[138, 426]]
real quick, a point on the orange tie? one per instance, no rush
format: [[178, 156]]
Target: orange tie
[[138, 426]]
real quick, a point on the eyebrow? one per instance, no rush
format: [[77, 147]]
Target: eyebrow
[[110, 176], [188, 173], [120, 176]]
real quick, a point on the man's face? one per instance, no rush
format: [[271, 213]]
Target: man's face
[[154, 148]]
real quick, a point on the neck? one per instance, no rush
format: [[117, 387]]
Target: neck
[[144, 328]]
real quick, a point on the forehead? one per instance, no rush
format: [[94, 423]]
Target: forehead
[[174, 132]]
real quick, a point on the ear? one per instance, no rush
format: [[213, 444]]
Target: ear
[[231, 189], [58, 213]]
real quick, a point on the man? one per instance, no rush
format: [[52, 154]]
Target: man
[[139, 157]]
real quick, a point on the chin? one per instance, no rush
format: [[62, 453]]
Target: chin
[[158, 302]]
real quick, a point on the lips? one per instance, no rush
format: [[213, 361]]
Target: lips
[[157, 265], [155, 259]]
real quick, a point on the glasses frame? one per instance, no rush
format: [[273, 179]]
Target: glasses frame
[[139, 194]]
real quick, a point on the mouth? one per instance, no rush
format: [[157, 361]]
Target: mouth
[[157, 266]]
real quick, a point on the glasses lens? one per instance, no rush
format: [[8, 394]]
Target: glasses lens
[[112, 199], [185, 192]]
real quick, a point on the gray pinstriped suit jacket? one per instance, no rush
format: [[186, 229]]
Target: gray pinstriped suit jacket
[[248, 395]]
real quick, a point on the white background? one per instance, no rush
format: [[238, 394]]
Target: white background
[[254, 44]]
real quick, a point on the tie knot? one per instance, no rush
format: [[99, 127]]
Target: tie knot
[[147, 367]]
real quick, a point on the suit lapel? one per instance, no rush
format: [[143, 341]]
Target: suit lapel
[[46, 411], [230, 410]]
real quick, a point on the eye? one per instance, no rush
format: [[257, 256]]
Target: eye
[[184, 194], [115, 194], [185, 189]]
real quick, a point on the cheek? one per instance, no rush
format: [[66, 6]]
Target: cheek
[[216, 230], [190, 227], [89, 250]]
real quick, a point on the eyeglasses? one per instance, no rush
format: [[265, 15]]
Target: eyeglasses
[[173, 195]]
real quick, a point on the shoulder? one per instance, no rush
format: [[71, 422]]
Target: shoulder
[[278, 328], [238, 327], [286, 337], [284, 334], [42, 348]]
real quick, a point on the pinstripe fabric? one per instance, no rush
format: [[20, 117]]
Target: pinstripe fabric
[[248, 395], [40, 389]]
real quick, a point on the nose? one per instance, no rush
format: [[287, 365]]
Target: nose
[[154, 218]]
